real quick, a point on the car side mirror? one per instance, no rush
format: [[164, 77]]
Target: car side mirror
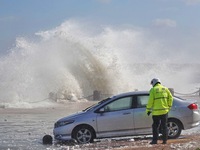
[[102, 110]]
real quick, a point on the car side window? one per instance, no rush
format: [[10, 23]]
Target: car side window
[[119, 104], [142, 101]]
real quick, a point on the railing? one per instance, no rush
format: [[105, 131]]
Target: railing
[[97, 95], [196, 93]]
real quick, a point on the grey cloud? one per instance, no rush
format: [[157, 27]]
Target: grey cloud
[[164, 23]]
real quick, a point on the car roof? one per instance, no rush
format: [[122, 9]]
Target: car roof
[[130, 93]]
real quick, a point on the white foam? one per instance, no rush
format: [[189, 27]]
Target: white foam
[[71, 58]]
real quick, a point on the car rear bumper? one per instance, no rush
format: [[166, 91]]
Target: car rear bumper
[[191, 125], [192, 121]]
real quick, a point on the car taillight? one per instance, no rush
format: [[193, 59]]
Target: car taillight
[[193, 106]]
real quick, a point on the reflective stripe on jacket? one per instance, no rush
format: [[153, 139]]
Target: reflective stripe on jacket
[[160, 100]]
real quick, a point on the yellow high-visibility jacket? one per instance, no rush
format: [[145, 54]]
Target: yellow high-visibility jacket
[[160, 100]]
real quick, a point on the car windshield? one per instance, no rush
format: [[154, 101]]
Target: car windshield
[[95, 105]]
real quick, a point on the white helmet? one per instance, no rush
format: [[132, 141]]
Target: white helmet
[[155, 81]]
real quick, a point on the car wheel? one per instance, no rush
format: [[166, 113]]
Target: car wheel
[[174, 128], [83, 134]]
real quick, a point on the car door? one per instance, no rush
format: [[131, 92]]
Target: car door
[[116, 119], [142, 121]]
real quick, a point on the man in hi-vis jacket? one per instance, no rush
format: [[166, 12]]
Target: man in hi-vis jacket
[[159, 104]]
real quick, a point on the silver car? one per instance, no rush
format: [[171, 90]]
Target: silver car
[[124, 115]]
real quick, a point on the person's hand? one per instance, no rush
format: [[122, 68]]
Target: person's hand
[[148, 113]]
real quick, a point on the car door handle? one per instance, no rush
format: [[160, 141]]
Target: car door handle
[[126, 113]]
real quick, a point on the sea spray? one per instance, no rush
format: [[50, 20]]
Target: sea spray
[[72, 59], [60, 62]]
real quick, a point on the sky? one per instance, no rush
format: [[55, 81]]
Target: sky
[[176, 20]]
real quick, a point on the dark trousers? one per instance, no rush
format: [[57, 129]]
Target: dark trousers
[[160, 122]]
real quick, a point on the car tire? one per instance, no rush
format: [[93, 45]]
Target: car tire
[[83, 134], [174, 128]]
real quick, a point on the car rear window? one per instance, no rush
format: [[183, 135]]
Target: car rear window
[[142, 100]]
